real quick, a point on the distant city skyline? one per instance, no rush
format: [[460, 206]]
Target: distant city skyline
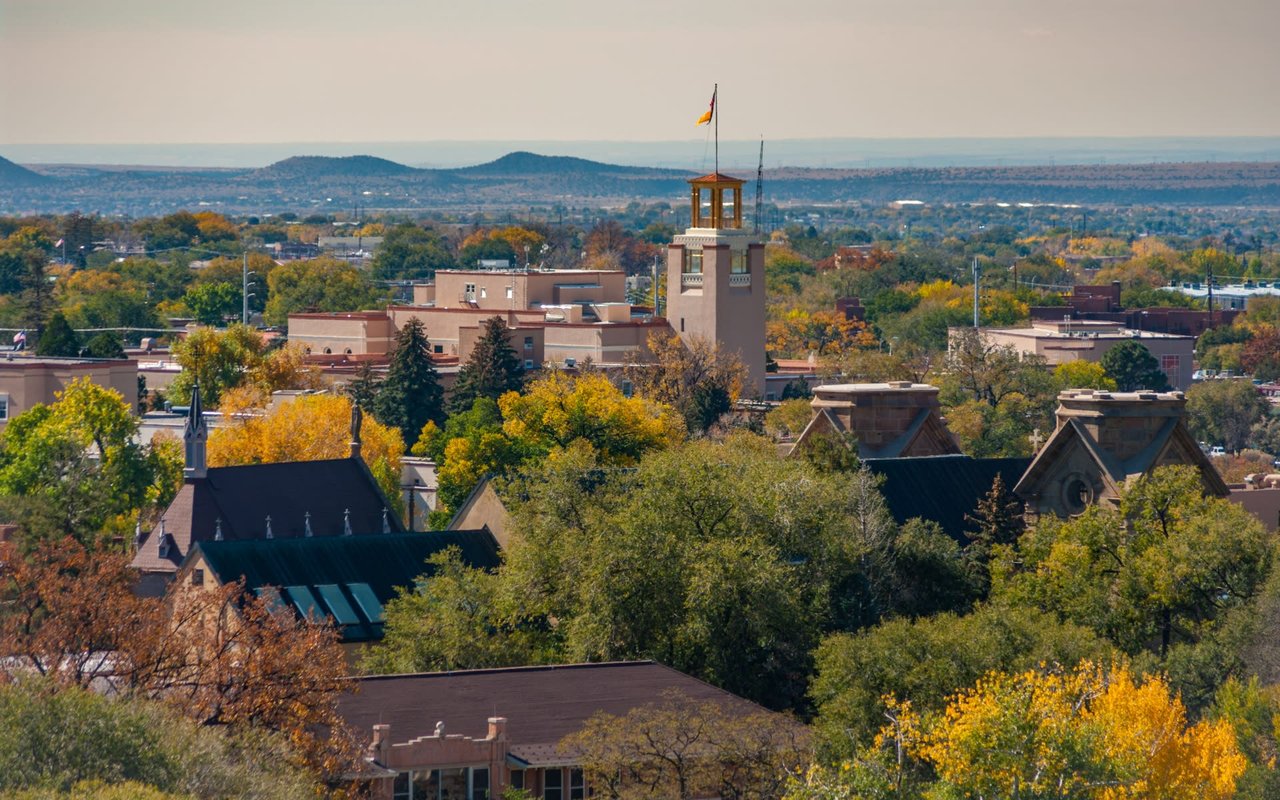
[[239, 71]]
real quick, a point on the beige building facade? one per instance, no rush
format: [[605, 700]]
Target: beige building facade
[[715, 277], [26, 381], [1063, 341]]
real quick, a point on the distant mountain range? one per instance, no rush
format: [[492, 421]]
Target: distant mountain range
[[523, 179], [13, 175]]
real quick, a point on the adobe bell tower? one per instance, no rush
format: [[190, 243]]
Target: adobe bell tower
[[715, 277]]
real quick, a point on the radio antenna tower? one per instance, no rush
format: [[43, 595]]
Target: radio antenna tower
[[760, 185]]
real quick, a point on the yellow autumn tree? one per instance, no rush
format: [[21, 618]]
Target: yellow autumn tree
[[310, 428], [1092, 732], [827, 333], [561, 408]]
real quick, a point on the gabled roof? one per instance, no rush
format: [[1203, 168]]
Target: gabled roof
[[542, 704], [1171, 444], [339, 575], [942, 489], [239, 499]]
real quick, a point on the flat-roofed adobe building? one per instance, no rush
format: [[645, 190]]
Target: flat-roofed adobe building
[[26, 381], [716, 292], [1063, 341]]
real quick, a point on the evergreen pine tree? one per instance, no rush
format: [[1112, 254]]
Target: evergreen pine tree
[[1133, 367], [998, 520], [492, 369], [363, 389], [58, 338], [411, 394], [104, 344]]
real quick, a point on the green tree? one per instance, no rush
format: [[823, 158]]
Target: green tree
[[58, 338], [320, 284], [1131, 365], [78, 459], [1081, 374], [1164, 576], [492, 369], [434, 626], [76, 743], [1225, 412], [217, 360], [213, 303], [409, 251], [410, 396], [363, 389], [104, 344], [923, 661]]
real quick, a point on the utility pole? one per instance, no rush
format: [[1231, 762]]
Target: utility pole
[[244, 291], [656, 312], [977, 275]]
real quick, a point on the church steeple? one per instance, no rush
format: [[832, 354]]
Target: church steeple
[[194, 437]]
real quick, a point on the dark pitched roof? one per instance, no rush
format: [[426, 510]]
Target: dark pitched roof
[[942, 489], [542, 704], [339, 574], [239, 499]]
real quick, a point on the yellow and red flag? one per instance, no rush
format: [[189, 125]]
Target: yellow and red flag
[[710, 112]]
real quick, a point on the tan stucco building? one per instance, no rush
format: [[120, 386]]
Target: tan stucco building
[[26, 381], [1062, 341]]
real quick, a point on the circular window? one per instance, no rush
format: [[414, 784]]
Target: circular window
[[1077, 493]]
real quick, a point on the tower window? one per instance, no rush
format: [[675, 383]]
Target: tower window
[[692, 262], [738, 264]]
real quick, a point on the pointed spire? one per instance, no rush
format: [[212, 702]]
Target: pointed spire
[[162, 541], [194, 437], [357, 419], [306, 525], [269, 534], [217, 530], [386, 524], [346, 522]]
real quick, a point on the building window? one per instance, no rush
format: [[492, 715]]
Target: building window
[[197, 577], [480, 783], [577, 785], [693, 262], [400, 789], [553, 785], [528, 343], [469, 293], [4, 406], [437, 348], [517, 779], [738, 264], [461, 783], [628, 388], [511, 292], [528, 363], [1170, 365], [484, 293]]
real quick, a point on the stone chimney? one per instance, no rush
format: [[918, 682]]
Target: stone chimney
[[380, 747], [1105, 440], [1122, 423], [497, 729], [894, 419]]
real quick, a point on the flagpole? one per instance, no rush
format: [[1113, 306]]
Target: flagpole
[[715, 112]]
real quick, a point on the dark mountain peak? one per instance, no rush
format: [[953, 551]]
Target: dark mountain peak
[[523, 162], [302, 167], [12, 174]]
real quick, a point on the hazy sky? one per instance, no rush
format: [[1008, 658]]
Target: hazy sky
[[108, 71]]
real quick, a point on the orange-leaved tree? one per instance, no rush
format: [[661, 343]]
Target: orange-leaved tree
[[309, 428], [219, 656]]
